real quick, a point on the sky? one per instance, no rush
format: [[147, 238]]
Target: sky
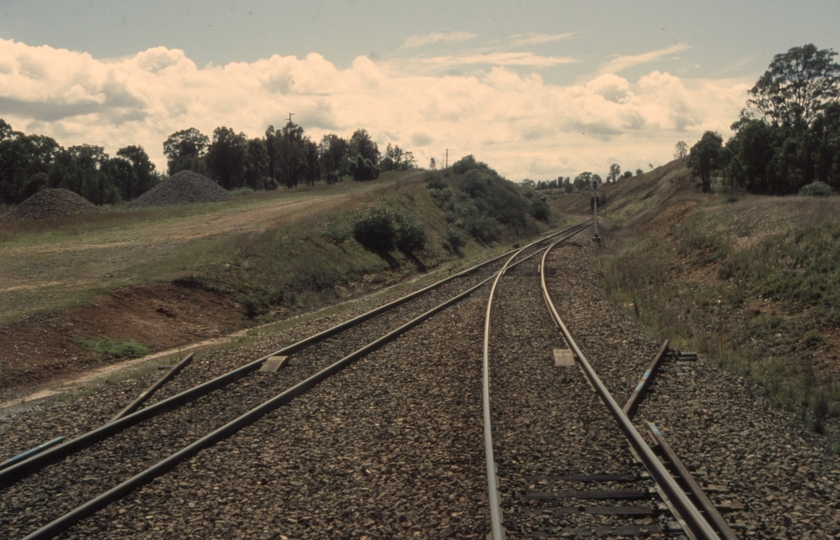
[[536, 89]]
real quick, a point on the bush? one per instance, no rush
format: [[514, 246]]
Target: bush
[[363, 169], [482, 228], [410, 235], [374, 229], [434, 180], [381, 229], [816, 189], [539, 209], [241, 191], [338, 232], [467, 163], [454, 238]]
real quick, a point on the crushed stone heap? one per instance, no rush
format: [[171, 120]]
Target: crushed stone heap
[[50, 203], [183, 187]]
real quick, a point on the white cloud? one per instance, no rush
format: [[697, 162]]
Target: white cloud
[[538, 39], [517, 123], [620, 63], [442, 64], [414, 42]]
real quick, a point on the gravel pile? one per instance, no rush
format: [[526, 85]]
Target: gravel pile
[[184, 187], [50, 203]]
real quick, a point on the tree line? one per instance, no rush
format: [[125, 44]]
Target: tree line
[[788, 139], [583, 181], [285, 157], [30, 163]]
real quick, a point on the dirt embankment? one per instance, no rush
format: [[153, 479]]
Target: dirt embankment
[[164, 316]]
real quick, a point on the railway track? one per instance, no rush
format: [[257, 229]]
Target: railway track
[[86, 465], [564, 459]]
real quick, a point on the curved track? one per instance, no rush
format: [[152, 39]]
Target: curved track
[[565, 461], [158, 433]]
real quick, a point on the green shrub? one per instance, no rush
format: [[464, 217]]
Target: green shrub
[[113, 346], [338, 232], [482, 228], [454, 238], [374, 229], [410, 235], [816, 189], [434, 180], [241, 191], [380, 229], [467, 163], [539, 209]]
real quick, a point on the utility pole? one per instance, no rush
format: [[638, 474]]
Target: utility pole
[[594, 198], [289, 180]]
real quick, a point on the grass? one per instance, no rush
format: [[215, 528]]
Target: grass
[[753, 285], [112, 346], [285, 249]]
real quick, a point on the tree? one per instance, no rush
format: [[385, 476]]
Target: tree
[[583, 181], [84, 169], [363, 156], [257, 165], [396, 159], [705, 158], [25, 161], [226, 158], [184, 150], [614, 174], [639, 172], [432, 164], [332, 158], [627, 174], [361, 144], [680, 150], [363, 169], [145, 177], [797, 86]]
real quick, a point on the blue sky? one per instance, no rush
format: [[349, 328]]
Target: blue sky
[[536, 89]]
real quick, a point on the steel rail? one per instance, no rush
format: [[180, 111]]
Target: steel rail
[[706, 505], [698, 527], [497, 531], [144, 396], [74, 516], [22, 469], [639, 392]]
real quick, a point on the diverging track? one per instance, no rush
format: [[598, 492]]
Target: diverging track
[[564, 459]]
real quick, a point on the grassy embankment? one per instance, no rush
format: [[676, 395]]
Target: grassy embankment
[[750, 282], [275, 251]]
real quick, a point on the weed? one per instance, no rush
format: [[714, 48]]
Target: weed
[[112, 346]]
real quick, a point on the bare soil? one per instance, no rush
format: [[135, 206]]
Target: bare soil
[[163, 316]]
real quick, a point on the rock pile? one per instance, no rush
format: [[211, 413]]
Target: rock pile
[[184, 187], [50, 203]]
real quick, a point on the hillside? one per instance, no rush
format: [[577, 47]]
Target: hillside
[[85, 290], [751, 282]]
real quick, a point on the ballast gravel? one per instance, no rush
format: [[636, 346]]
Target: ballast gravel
[[392, 446]]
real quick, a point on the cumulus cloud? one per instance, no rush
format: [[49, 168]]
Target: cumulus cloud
[[414, 42], [518, 123]]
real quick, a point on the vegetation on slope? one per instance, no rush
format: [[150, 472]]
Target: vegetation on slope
[[751, 283]]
